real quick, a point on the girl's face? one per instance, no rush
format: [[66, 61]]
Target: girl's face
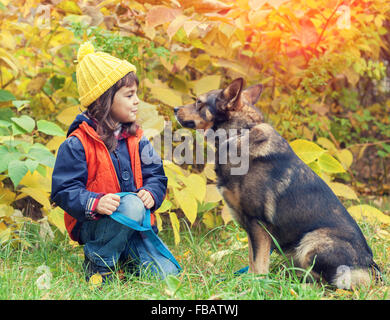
[[125, 104]]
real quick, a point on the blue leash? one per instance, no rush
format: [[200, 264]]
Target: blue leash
[[146, 228], [246, 269]]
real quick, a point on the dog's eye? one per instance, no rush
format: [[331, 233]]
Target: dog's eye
[[198, 103]]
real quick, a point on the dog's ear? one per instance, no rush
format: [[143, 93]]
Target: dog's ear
[[252, 94], [232, 94]]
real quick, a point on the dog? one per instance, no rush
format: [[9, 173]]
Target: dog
[[280, 200]]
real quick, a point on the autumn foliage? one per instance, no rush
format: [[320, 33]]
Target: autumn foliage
[[324, 66]]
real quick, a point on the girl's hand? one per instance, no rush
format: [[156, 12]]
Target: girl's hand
[[146, 198], [108, 203]]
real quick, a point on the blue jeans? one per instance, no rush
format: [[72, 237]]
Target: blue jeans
[[107, 242]]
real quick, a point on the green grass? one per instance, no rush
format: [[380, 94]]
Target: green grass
[[205, 274]]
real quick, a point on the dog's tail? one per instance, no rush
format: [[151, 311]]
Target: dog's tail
[[348, 277]]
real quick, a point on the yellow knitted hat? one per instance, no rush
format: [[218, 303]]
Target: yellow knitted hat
[[96, 72]]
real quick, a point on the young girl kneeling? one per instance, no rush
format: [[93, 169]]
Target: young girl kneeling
[[100, 171]]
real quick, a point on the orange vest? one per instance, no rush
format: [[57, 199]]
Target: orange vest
[[102, 176]]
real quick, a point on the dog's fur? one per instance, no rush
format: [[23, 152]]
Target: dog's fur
[[280, 191]]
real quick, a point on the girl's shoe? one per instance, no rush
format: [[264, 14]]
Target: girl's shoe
[[91, 268]]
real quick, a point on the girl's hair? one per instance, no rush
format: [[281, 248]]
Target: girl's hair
[[99, 110]]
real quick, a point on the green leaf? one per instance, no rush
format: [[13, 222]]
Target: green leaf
[[172, 282], [5, 124], [49, 128], [5, 96], [19, 104], [16, 129], [329, 164], [25, 122], [386, 147], [42, 155], [6, 156], [32, 165], [17, 170], [42, 170]]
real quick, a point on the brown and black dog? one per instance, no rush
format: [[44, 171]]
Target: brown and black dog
[[280, 195]]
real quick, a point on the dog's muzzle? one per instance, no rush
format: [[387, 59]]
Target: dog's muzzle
[[187, 124]]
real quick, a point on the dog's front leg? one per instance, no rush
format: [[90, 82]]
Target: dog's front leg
[[259, 244]]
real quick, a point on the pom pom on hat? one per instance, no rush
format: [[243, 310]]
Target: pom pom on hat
[[85, 48]]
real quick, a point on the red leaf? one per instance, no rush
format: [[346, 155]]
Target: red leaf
[[306, 33], [160, 15]]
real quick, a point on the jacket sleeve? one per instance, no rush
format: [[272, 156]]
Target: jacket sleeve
[[153, 175], [69, 181]]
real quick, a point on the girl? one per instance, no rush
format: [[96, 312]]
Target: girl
[[100, 163]]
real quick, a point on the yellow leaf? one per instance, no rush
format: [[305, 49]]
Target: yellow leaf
[[153, 126], [327, 144], [210, 172], [225, 214], [189, 26], [306, 150], [68, 115], [209, 220], [329, 164], [206, 84], [165, 206], [187, 203], [35, 180], [343, 190], [212, 193], [39, 195], [172, 166], [158, 220], [6, 196], [56, 218], [196, 185], [371, 214], [175, 25], [69, 7], [5, 232], [8, 40], [6, 210], [167, 96], [346, 158], [201, 62], [176, 227], [96, 279], [55, 142]]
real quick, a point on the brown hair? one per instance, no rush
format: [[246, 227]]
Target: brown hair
[[99, 110]]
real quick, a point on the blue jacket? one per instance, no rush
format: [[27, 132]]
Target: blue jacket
[[70, 175]]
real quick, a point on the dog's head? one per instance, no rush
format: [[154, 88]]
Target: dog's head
[[216, 107]]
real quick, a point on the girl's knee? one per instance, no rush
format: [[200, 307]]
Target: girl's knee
[[132, 207]]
